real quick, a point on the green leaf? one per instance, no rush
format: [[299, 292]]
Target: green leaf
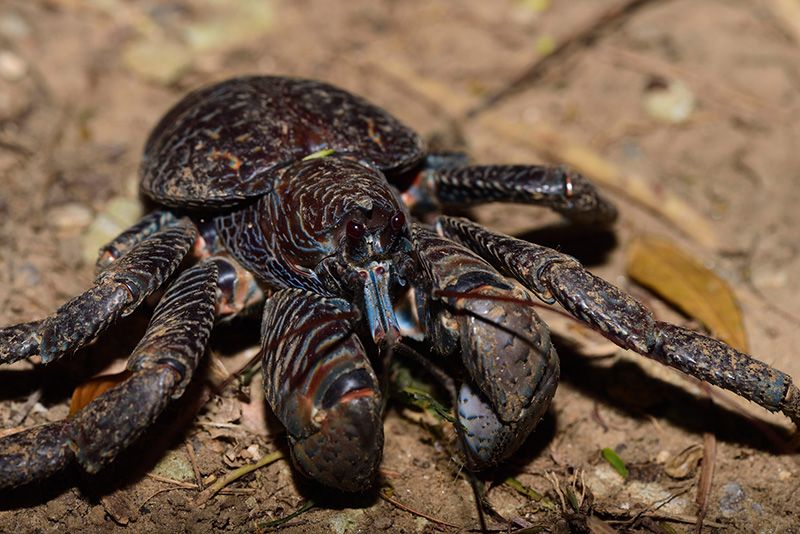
[[615, 461], [324, 153]]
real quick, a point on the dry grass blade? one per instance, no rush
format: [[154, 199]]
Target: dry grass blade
[[679, 278], [236, 474]]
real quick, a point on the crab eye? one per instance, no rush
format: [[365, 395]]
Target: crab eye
[[355, 230], [397, 221]]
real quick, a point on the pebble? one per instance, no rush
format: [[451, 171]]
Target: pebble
[[13, 26], [670, 102], [12, 67], [119, 214], [71, 217], [175, 465], [733, 497]]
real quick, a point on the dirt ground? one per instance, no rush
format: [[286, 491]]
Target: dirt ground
[[82, 81]]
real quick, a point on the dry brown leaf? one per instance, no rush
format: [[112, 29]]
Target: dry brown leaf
[[658, 264], [120, 507], [88, 391], [684, 464]]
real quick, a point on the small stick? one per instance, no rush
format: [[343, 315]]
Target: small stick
[[185, 485], [402, 506], [236, 474], [706, 478], [193, 460], [663, 516]]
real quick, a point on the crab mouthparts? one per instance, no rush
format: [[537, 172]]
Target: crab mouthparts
[[378, 306]]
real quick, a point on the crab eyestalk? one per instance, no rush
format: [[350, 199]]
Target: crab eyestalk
[[318, 380]]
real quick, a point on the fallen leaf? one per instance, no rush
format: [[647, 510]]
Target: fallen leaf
[[90, 390], [119, 506], [684, 464], [682, 280]]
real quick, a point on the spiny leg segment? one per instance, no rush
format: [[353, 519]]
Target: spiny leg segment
[[119, 288], [446, 184], [557, 277], [162, 364]]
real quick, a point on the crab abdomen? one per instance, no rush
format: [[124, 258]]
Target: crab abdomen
[[223, 144]]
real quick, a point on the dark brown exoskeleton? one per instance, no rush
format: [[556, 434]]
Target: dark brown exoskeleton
[[300, 195]]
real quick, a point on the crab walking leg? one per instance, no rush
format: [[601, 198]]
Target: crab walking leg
[[626, 322], [119, 289], [513, 368], [558, 188], [147, 226], [162, 365], [319, 382]]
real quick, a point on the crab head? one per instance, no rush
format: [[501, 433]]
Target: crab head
[[354, 239]]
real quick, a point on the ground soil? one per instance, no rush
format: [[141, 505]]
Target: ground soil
[[82, 81]]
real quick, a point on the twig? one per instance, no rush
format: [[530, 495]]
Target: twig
[[663, 516], [26, 408], [184, 485], [193, 460], [579, 37], [157, 492], [706, 478], [402, 506], [236, 474]]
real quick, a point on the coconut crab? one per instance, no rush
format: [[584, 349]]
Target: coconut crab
[[303, 198]]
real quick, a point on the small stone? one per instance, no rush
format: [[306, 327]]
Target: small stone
[[71, 218], [119, 214], [160, 60], [784, 475], [13, 26], [669, 101], [383, 523], [733, 497], [12, 67], [175, 465], [97, 515], [251, 502], [253, 452]]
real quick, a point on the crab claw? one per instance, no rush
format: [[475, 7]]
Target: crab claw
[[318, 380], [346, 450]]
